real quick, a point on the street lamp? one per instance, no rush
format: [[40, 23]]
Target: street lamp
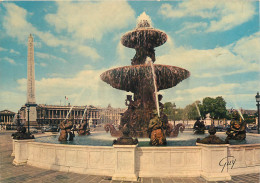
[[174, 107], [18, 119], [28, 113], [257, 98]]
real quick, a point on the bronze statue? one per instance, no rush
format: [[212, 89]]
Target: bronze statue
[[22, 134], [174, 131], [199, 127], [156, 131], [65, 130], [144, 80], [237, 130], [114, 133], [125, 139], [212, 138], [82, 129]]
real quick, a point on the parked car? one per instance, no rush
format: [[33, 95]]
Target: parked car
[[33, 130], [207, 127], [51, 129], [219, 128]]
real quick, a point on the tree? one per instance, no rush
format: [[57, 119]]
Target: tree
[[169, 110], [216, 107], [191, 112]]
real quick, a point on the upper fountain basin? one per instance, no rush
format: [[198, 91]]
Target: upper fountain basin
[[130, 78], [145, 37]]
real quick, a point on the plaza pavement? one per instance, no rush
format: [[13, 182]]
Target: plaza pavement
[[28, 174]]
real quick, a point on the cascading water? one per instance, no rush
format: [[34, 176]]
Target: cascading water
[[85, 110], [144, 80], [155, 88]]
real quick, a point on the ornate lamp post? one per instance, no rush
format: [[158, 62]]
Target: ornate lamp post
[[28, 114], [174, 107], [257, 98], [18, 119]]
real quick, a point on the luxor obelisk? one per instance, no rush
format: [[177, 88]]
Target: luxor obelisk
[[31, 102]]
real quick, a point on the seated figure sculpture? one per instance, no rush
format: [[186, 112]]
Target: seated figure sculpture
[[22, 134], [212, 138], [156, 131], [65, 129], [82, 129], [237, 130], [199, 127], [125, 139]]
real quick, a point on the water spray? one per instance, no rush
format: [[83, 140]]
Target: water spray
[[155, 87], [76, 101], [197, 109], [84, 114]]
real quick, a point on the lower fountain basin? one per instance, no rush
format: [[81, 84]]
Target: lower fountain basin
[[128, 162], [105, 139], [130, 78]]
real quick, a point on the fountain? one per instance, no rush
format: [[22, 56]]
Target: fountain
[[95, 154], [143, 78]]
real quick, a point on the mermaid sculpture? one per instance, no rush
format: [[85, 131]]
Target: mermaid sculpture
[[237, 130], [65, 130]]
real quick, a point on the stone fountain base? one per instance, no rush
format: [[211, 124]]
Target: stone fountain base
[[128, 162]]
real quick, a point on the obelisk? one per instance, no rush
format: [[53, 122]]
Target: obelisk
[[31, 102]]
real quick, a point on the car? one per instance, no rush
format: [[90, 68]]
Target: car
[[207, 127], [51, 129], [33, 130], [219, 128]]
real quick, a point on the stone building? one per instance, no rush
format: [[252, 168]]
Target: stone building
[[111, 115], [6, 117], [54, 114]]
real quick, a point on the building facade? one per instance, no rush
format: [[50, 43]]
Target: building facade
[[6, 118], [111, 115], [54, 114]]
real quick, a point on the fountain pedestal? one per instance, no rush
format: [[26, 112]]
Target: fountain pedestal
[[125, 165], [21, 151], [215, 162]]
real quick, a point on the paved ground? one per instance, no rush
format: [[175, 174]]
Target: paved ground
[[15, 174]]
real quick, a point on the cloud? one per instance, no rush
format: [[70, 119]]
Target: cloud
[[43, 64], [49, 57], [222, 15], [91, 20], [16, 26], [3, 49], [9, 60], [15, 22], [248, 47], [193, 27], [15, 52], [229, 91], [12, 100], [84, 88], [219, 61]]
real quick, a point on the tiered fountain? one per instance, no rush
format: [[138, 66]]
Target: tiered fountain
[[143, 78], [128, 162]]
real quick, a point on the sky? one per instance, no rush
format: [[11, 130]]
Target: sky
[[74, 42]]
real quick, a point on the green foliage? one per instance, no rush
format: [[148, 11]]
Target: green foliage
[[169, 110], [215, 106], [191, 112]]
